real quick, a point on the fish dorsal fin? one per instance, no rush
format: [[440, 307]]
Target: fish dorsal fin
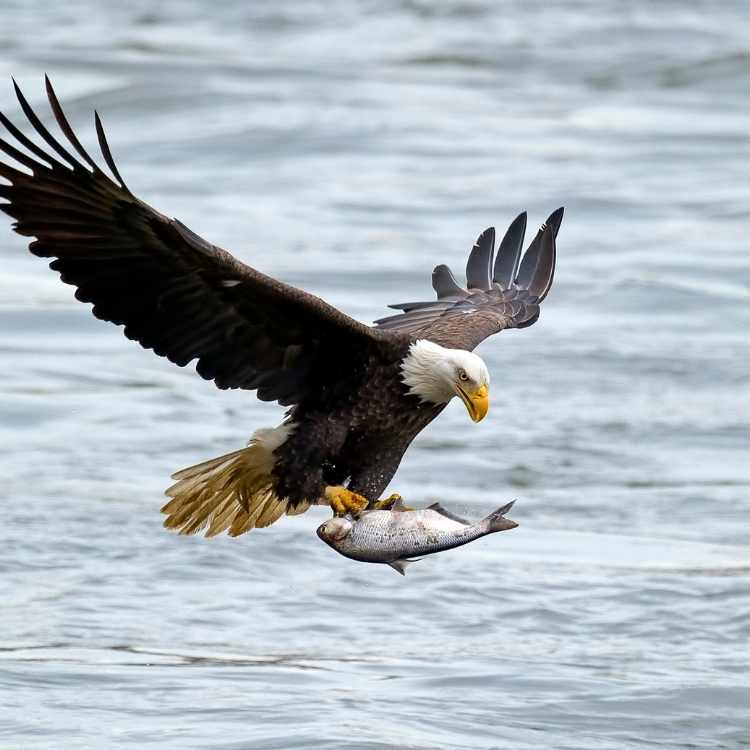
[[401, 565], [443, 512]]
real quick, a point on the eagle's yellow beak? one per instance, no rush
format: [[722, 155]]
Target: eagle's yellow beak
[[476, 402]]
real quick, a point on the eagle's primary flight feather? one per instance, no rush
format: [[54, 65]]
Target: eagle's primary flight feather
[[187, 299]]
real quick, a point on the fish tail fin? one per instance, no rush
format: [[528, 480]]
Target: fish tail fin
[[234, 492], [497, 521]]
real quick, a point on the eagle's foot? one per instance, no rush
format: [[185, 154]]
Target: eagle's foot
[[343, 501], [393, 502]]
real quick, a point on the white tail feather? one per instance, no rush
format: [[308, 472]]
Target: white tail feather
[[233, 493]]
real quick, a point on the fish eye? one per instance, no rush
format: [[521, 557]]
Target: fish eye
[[462, 375]]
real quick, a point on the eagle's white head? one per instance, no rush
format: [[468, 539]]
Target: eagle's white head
[[435, 374]]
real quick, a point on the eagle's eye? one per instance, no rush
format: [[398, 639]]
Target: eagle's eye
[[462, 375]]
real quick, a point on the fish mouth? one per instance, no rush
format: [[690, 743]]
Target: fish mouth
[[476, 403]]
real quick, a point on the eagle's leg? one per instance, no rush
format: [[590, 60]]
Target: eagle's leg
[[343, 501]]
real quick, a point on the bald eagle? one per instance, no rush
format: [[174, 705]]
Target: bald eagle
[[357, 395]]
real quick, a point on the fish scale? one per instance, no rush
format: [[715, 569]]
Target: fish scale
[[392, 537]]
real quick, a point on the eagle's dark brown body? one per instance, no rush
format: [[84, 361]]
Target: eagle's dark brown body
[[356, 439], [350, 418]]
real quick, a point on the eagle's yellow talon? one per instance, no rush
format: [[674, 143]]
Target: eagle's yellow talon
[[388, 502], [343, 501]]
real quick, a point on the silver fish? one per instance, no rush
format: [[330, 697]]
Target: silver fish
[[394, 536]]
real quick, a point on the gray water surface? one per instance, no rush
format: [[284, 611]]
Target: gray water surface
[[348, 148]]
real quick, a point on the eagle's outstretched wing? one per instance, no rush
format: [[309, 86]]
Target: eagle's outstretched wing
[[174, 292], [506, 294]]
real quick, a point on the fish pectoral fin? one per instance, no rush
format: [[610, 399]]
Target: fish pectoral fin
[[400, 566]]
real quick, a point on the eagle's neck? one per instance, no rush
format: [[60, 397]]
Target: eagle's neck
[[426, 371]]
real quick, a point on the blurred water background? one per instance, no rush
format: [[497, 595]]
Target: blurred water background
[[348, 148]]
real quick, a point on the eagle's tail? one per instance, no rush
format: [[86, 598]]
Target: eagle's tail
[[234, 492]]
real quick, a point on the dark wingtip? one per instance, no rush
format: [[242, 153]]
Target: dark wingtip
[[555, 219], [65, 126], [106, 153], [541, 279], [478, 267], [50, 91], [37, 124], [509, 252], [534, 257], [548, 259], [19, 94], [444, 282]]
